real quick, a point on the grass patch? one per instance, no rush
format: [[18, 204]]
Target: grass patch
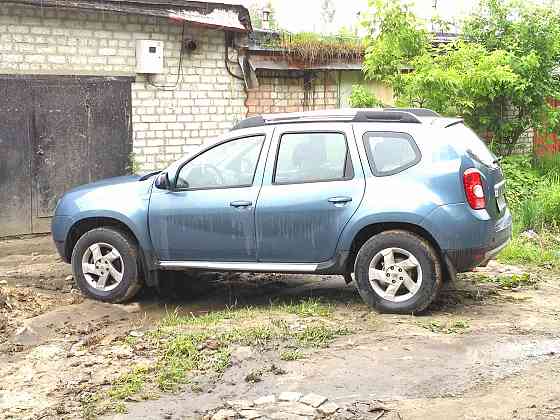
[[189, 345], [314, 48], [319, 335], [291, 355], [310, 307], [457, 326], [511, 282], [129, 384], [542, 252]]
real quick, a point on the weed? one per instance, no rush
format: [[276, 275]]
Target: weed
[[319, 335], [510, 282], [120, 408], [254, 376], [291, 355], [129, 383], [310, 307], [458, 326], [543, 252]]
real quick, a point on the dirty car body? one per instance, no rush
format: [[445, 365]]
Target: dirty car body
[[398, 200]]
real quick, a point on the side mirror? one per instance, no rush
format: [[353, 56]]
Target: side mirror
[[162, 181]]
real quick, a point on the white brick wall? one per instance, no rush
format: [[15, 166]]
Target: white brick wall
[[167, 123]]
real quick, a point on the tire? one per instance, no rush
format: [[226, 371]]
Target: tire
[[125, 266], [427, 272]]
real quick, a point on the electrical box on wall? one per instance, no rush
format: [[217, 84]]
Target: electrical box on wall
[[149, 56]]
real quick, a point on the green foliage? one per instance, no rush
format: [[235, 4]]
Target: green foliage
[[522, 179], [362, 98], [397, 38], [503, 63]]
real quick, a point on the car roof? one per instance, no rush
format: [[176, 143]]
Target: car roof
[[364, 115]]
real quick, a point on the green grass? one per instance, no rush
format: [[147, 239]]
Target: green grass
[[543, 251], [510, 282], [129, 384], [292, 355], [191, 345], [457, 326], [533, 192]]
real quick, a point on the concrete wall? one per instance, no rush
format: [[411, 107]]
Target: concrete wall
[[167, 122]]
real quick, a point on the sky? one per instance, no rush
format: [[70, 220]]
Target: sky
[[305, 15]]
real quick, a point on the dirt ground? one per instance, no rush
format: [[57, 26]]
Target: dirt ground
[[485, 351]]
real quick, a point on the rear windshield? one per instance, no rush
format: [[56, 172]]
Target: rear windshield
[[467, 141]]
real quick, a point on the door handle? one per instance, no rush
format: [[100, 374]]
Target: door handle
[[340, 200], [241, 203]]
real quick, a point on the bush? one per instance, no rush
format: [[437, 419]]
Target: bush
[[362, 98], [522, 179], [533, 191]]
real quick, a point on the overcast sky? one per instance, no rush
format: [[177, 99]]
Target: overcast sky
[[305, 15]]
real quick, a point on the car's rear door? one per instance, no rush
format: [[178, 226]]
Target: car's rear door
[[210, 214], [313, 184]]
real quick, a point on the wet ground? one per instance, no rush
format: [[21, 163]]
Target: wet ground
[[484, 351]]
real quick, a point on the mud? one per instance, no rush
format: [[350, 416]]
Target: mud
[[57, 347]]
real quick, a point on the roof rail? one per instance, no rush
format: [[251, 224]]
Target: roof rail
[[419, 112], [389, 115]]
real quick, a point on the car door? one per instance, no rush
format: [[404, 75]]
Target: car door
[[313, 184], [209, 213]]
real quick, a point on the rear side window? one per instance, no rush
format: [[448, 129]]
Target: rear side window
[[390, 153], [312, 157]]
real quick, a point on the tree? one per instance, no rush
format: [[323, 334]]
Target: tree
[[498, 75]]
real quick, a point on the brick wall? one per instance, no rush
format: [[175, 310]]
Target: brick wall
[[167, 123], [281, 92]]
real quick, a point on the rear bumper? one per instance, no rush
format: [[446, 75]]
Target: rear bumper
[[468, 238], [466, 259]]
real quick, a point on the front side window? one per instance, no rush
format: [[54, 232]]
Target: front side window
[[312, 157], [227, 165], [390, 153]]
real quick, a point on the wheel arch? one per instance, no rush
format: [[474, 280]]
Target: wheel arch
[[372, 229], [86, 224]]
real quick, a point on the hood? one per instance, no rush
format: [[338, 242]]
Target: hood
[[112, 194]]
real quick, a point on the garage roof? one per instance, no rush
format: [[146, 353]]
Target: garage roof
[[226, 14]]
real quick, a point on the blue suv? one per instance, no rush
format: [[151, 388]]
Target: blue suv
[[399, 200]]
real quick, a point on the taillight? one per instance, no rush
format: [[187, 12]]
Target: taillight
[[474, 189]]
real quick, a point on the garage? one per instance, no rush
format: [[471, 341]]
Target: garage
[[58, 132]]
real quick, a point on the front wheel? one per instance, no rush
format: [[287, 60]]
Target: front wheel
[[398, 272], [105, 265]]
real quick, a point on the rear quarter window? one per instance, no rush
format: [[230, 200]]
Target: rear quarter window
[[390, 153]]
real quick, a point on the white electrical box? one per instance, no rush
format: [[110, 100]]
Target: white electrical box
[[149, 56]]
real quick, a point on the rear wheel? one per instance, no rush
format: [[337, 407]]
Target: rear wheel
[[398, 272], [105, 265]]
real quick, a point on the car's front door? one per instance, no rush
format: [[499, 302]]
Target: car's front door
[[313, 184], [209, 215]]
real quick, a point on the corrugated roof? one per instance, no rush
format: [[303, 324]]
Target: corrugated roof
[[226, 14]]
